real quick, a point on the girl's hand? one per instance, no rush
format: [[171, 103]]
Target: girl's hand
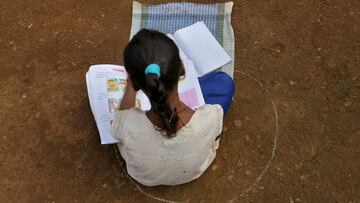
[[128, 100]]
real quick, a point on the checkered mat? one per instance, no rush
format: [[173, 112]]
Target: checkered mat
[[168, 18]]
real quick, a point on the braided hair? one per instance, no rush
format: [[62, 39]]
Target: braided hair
[[153, 47]]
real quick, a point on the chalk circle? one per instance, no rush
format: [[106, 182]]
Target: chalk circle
[[254, 183]]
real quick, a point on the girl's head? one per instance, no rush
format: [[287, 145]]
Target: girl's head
[[153, 47]]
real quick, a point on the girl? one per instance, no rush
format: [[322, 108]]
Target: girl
[[170, 144]]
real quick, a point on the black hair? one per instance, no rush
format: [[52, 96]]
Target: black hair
[[153, 47]]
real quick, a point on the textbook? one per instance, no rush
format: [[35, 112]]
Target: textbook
[[106, 83]]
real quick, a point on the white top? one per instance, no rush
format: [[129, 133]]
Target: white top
[[153, 159]]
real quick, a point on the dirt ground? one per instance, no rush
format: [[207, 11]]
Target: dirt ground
[[298, 61]]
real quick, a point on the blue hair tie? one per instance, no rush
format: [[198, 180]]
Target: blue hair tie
[[153, 69]]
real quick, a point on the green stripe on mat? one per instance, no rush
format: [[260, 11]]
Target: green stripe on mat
[[220, 23], [144, 15]]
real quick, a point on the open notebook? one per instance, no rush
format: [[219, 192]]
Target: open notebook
[[200, 54]]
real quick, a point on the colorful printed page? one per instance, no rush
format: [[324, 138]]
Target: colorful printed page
[[106, 87], [200, 46]]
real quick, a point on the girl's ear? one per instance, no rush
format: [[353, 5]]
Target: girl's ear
[[182, 70]]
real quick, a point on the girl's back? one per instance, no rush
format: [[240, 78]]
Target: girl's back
[[153, 159]]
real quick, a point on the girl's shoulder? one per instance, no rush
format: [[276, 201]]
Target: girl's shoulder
[[210, 108], [128, 115], [125, 119], [132, 112], [209, 119], [212, 112]]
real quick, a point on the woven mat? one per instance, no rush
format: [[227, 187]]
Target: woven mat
[[168, 18]]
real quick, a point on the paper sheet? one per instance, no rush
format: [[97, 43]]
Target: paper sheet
[[201, 47]]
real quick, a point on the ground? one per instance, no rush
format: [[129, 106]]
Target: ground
[[292, 134]]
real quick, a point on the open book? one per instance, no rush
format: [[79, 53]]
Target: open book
[[200, 54]]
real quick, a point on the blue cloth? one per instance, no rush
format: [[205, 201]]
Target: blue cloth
[[218, 88]]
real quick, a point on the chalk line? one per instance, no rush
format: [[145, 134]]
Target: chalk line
[[256, 80], [263, 172]]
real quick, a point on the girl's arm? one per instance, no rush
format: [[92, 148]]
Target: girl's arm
[[128, 100]]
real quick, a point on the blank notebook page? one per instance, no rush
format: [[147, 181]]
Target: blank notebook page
[[201, 47]]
